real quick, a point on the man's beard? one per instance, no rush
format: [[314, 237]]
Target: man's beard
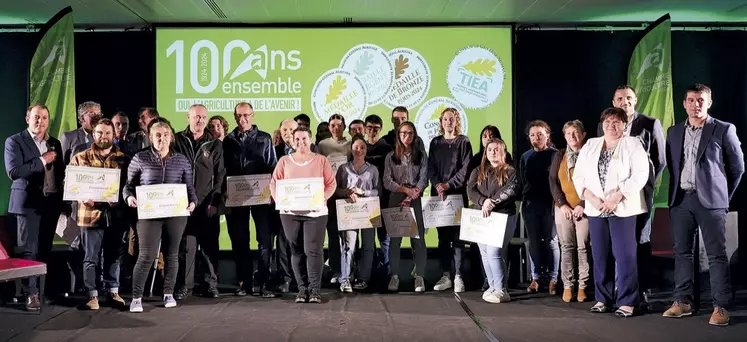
[[103, 145]]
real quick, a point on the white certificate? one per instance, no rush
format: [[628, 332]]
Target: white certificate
[[161, 201], [248, 190], [91, 183], [489, 230], [364, 213], [438, 213], [400, 222], [300, 194], [336, 162]]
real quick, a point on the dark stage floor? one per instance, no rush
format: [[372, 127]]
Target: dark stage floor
[[362, 317]]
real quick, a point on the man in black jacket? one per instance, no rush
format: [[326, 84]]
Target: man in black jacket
[[651, 134], [205, 153], [249, 151]]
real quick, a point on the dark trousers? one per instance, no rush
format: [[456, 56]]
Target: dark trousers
[[686, 218], [238, 231], [168, 233], [35, 232], [614, 239], [97, 243], [333, 238], [450, 248], [202, 230], [544, 249], [383, 251], [306, 237], [283, 267]]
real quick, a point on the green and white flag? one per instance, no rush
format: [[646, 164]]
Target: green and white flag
[[52, 76], [650, 73]]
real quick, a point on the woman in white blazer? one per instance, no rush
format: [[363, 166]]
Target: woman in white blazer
[[609, 177]]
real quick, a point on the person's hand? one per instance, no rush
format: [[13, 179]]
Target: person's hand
[[211, 210], [191, 207], [596, 202], [88, 203], [414, 193], [567, 211], [578, 212], [49, 157], [406, 203], [353, 197], [487, 207], [132, 202], [614, 199], [358, 191]]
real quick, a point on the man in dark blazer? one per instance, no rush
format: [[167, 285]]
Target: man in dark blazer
[[34, 164], [89, 113], [706, 163]]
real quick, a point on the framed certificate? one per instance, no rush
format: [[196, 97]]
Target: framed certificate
[[300, 194], [489, 230], [162, 201], [364, 213], [84, 183], [400, 222], [438, 213], [248, 190], [336, 162]]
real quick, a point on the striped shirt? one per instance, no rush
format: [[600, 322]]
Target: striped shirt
[[366, 178], [100, 214], [147, 168]]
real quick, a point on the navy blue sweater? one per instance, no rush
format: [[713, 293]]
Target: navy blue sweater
[[147, 168]]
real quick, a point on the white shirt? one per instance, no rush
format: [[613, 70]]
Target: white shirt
[[41, 144]]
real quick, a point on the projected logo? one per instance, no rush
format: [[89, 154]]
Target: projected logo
[[339, 91], [427, 120], [372, 65], [412, 79], [475, 77], [236, 69]]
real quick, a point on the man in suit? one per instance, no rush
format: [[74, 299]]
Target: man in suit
[[651, 134], [706, 162], [35, 166], [89, 113]]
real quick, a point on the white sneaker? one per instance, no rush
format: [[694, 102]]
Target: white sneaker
[[491, 297], [136, 305], [444, 283], [335, 278], [503, 297], [486, 293], [393, 283], [169, 301], [419, 284], [458, 284], [346, 287]]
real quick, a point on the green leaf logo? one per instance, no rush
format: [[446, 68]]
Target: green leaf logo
[[336, 88], [437, 113], [481, 67], [364, 62]]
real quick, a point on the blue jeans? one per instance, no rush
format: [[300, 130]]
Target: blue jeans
[[494, 259], [348, 239], [94, 240]]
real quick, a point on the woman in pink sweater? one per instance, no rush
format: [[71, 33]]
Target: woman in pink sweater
[[305, 229]]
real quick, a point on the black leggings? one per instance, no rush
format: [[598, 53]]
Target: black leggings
[[306, 238], [149, 234]]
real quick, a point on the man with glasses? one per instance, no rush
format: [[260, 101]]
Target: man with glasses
[[375, 155], [89, 113]]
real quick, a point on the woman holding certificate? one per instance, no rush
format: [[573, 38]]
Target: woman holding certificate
[[493, 187], [357, 179], [405, 175], [158, 165], [297, 175], [609, 177]]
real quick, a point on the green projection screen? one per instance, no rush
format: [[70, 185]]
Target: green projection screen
[[350, 71]]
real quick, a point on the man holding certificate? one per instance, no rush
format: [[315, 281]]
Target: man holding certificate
[[205, 154], [96, 214], [301, 184], [159, 184], [493, 188], [249, 158]]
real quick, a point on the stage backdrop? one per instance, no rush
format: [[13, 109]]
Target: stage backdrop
[[353, 72]]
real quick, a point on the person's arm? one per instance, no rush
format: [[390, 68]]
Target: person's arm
[[509, 190], [579, 173], [375, 185], [733, 159], [15, 166], [219, 174], [188, 180], [423, 175], [473, 193], [557, 191], [388, 180], [639, 169], [460, 178], [134, 171], [271, 158], [657, 149], [342, 181], [330, 184], [432, 169], [277, 174]]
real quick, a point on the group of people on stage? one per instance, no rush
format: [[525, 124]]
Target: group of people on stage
[[596, 193]]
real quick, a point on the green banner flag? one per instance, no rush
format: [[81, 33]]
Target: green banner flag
[[650, 73], [52, 76]]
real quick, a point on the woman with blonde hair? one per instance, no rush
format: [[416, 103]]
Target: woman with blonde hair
[[493, 187], [571, 223], [448, 160]]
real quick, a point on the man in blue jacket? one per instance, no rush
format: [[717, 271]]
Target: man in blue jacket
[[706, 163], [249, 151]]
